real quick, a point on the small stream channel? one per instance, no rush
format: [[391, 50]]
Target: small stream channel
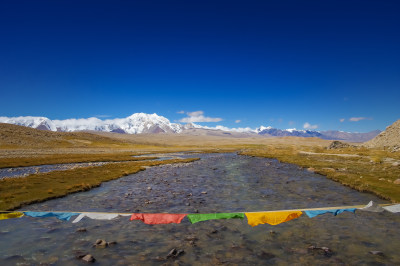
[[29, 170], [232, 183]]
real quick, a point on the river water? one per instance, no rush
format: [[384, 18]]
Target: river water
[[28, 170], [216, 183]]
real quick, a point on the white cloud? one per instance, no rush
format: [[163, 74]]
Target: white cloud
[[180, 112], [356, 119], [342, 120], [198, 116], [238, 121], [309, 126], [239, 129]]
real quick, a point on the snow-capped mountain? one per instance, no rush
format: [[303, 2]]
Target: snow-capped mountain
[[135, 124], [140, 123], [30, 121]]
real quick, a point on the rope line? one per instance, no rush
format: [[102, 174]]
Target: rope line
[[129, 213]]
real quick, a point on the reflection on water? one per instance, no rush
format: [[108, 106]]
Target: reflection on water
[[229, 183]]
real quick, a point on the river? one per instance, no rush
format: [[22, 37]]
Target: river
[[216, 183]]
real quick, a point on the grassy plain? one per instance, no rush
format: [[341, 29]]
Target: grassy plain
[[363, 169]]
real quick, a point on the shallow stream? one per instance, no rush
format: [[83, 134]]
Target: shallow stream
[[28, 170], [216, 183]]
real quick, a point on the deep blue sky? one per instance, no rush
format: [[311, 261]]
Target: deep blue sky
[[278, 63]]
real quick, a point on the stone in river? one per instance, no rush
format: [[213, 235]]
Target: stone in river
[[174, 253], [100, 243], [376, 252], [88, 258]]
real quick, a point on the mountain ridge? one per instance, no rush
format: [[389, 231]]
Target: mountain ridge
[[389, 138], [142, 123]]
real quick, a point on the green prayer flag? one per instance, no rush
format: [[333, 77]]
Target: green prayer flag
[[199, 217]]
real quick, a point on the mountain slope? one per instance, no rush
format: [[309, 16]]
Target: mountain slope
[[347, 136], [14, 136], [388, 138]]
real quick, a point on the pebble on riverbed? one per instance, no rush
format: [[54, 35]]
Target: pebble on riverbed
[[325, 251], [81, 255], [100, 243], [88, 258], [376, 252], [174, 253]]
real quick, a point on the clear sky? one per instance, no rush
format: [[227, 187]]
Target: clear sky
[[288, 64]]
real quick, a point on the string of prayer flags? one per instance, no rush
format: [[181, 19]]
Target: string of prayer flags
[[313, 213], [254, 218], [10, 215], [98, 216], [272, 218], [158, 218], [199, 217], [65, 216]]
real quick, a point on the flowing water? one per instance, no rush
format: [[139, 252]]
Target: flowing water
[[216, 183], [28, 170]]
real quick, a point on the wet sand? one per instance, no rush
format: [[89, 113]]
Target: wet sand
[[217, 183]]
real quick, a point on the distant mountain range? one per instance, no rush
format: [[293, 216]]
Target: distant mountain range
[[141, 123]]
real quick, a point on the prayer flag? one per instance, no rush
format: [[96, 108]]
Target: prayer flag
[[273, 218], [313, 213], [393, 208], [197, 217], [10, 215], [372, 207], [60, 215], [158, 218]]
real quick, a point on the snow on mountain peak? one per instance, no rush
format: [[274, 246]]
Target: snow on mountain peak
[[139, 123], [30, 121], [134, 124]]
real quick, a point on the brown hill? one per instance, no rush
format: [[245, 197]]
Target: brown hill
[[13, 136], [390, 138]]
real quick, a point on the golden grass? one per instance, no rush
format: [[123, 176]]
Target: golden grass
[[17, 192]]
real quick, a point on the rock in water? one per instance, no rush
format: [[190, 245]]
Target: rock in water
[[376, 252], [100, 243], [88, 258], [174, 253]]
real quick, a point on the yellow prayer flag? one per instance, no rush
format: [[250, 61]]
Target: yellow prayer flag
[[273, 218], [9, 215]]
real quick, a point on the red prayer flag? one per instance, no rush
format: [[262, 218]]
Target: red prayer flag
[[158, 218]]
